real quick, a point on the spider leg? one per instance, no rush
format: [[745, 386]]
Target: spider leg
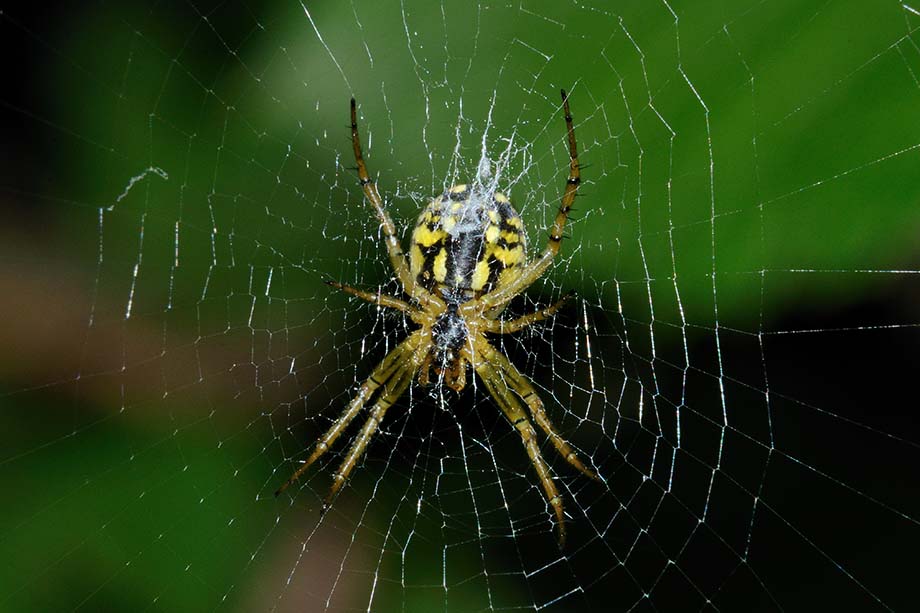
[[500, 326], [377, 298], [513, 410], [533, 271], [523, 388], [394, 248], [383, 373], [393, 389], [571, 184]]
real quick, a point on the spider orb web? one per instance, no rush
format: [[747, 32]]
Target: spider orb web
[[734, 366]]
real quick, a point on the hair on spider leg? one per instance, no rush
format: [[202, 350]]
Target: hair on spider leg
[[563, 300], [575, 218]]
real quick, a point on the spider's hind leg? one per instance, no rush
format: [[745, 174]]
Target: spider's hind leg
[[535, 269]]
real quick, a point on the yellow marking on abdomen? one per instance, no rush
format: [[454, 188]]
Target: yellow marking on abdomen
[[480, 275], [508, 257], [425, 237], [440, 266]]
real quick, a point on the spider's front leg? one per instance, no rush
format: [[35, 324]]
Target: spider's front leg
[[391, 393], [393, 366], [513, 410], [520, 385]]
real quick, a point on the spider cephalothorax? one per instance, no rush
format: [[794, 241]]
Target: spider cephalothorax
[[447, 357], [467, 260]]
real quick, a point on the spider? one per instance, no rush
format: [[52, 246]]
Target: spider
[[467, 261]]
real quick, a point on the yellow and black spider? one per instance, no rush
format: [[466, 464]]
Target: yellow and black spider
[[467, 261]]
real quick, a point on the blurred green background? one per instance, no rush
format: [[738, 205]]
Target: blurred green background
[[177, 184]]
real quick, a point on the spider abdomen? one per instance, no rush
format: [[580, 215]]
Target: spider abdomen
[[467, 242]]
